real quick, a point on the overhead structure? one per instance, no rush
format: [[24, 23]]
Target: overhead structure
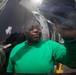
[[61, 10], [36, 1], [13, 17]]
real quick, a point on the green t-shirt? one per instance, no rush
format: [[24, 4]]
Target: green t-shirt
[[38, 58]]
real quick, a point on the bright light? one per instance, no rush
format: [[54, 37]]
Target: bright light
[[36, 1]]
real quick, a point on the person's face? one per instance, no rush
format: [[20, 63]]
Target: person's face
[[34, 33]]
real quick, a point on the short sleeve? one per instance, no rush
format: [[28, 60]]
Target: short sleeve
[[59, 51], [10, 66]]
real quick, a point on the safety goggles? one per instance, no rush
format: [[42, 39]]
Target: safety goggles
[[35, 27]]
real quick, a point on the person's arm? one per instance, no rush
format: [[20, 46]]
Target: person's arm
[[65, 54], [68, 54], [10, 67], [11, 63]]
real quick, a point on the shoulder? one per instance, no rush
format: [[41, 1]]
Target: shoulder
[[16, 48], [50, 42], [53, 44]]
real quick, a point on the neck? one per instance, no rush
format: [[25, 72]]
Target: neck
[[32, 42]]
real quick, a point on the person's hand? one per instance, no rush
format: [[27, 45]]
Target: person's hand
[[65, 33]]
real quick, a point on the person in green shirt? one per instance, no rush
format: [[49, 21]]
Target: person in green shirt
[[36, 56]]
